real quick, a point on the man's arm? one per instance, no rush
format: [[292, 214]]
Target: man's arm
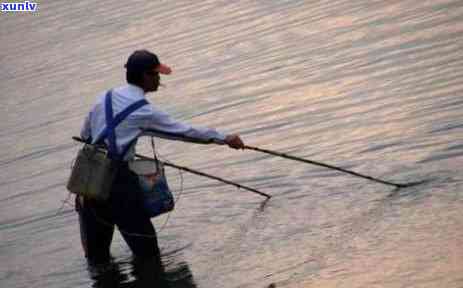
[[86, 131], [162, 125]]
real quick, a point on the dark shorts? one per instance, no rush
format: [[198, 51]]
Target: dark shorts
[[124, 210]]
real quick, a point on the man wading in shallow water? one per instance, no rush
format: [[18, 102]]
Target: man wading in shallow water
[[123, 208]]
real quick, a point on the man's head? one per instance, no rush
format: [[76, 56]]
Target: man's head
[[143, 69]]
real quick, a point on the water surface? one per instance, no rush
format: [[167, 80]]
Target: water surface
[[372, 86]]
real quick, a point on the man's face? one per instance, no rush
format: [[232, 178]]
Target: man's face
[[151, 80]]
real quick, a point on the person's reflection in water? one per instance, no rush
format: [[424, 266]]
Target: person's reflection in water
[[142, 273]]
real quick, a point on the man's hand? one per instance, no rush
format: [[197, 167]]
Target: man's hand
[[234, 141]]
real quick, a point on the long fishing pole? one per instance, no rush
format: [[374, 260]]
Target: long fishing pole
[[239, 186], [283, 155]]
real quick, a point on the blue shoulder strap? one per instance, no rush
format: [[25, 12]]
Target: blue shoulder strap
[[112, 122]]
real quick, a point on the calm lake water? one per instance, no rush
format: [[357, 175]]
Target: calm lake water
[[371, 86]]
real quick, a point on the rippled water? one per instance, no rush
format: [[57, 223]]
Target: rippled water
[[371, 86]]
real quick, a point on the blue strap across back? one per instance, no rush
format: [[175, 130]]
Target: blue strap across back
[[112, 122]]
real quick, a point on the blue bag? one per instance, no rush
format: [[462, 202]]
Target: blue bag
[[157, 197]]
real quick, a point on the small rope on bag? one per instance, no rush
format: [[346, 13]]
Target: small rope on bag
[[158, 168]]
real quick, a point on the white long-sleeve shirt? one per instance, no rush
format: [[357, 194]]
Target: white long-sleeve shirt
[[147, 120]]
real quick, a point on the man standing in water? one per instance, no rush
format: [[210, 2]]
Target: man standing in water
[[123, 208]]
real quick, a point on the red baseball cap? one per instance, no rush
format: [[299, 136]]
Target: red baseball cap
[[144, 60]]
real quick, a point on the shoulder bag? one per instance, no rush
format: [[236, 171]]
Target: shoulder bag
[[95, 168]]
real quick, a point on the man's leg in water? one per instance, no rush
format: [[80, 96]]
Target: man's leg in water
[[132, 221], [96, 231]]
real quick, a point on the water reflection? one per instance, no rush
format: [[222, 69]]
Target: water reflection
[[374, 87], [141, 273]]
